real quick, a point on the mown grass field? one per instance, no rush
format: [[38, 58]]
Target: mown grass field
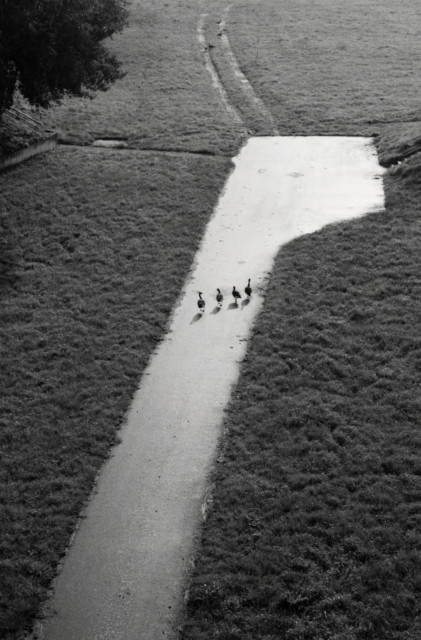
[[166, 100], [315, 526], [329, 68]]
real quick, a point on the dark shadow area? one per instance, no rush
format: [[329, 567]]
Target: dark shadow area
[[245, 302], [196, 317], [7, 277], [233, 305], [216, 310], [7, 267]]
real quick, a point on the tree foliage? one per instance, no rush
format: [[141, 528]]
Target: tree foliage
[[49, 48]]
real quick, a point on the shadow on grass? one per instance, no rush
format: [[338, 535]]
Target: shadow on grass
[[7, 276], [7, 271]]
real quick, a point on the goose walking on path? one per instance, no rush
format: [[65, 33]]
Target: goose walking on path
[[219, 297], [201, 303], [248, 289], [236, 294]]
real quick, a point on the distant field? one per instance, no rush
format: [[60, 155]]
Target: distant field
[[330, 67], [315, 527]]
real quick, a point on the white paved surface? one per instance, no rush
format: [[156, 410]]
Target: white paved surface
[[124, 576]]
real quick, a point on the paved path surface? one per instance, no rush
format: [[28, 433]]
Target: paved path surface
[[125, 573]]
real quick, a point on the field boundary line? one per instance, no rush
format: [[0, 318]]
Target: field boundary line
[[204, 153], [15, 158]]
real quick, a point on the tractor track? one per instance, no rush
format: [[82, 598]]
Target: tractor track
[[233, 88]]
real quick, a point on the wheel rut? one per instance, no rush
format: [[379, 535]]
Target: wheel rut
[[235, 91]]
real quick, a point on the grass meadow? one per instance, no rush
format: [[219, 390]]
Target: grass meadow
[[329, 68], [314, 529], [166, 100]]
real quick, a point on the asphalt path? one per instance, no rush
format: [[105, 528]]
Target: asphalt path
[[127, 569]]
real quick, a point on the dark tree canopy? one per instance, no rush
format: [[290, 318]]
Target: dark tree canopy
[[49, 48]]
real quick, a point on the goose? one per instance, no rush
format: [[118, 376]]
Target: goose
[[201, 303], [236, 294], [248, 289], [219, 297]]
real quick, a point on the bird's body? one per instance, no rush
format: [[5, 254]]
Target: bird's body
[[236, 294], [219, 297], [201, 303], [248, 289]]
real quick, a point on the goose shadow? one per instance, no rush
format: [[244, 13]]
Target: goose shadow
[[196, 317], [216, 310], [233, 305], [245, 303]]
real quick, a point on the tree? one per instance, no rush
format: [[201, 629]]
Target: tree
[[49, 48]]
